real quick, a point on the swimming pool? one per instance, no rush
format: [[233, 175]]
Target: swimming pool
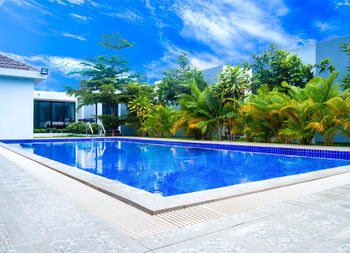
[[172, 170]]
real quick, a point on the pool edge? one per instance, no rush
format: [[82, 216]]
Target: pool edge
[[150, 203]]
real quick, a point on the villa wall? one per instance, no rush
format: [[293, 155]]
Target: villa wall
[[16, 112]]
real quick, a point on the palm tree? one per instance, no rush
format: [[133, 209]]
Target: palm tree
[[335, 119], [307, 113], [161, 120], [203, 111], [263, 116]]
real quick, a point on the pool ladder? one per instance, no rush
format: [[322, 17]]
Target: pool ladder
[[103, 130], [88, 126]]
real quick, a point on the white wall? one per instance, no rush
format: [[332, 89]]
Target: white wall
[[16, 107]]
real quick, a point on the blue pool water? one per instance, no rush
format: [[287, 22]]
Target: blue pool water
[[172, 170]]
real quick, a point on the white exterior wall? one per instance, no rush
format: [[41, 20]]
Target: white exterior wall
[[16, 107]]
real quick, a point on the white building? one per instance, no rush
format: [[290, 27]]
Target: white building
[[17, 82], [57, 110]]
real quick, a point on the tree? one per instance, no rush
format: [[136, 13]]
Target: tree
[[276, 66], [175, 82], [204, 112], [307, 113], [104, 77], [346, 78], [262, 115], [142, 107], [232, 82]]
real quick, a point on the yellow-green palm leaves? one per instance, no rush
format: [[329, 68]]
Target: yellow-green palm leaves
[[204, 112], [263, 116], [142, 107], [161, 120]]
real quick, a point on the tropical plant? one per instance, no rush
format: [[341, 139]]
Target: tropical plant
[[142, 107], [161, 120], [307, 113], [233, 82], [346, 78], [204, 112], [263, 115]]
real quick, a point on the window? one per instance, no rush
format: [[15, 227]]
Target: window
[[107, 109], [53, 114]]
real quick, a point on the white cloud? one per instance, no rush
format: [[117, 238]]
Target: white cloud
[[127, 15], [345, 3], [79, 17], [323, 26], [201, 61], [73, 36], [230, 25], [62, 65]]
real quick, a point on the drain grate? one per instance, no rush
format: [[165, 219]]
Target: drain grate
[[189, 216]]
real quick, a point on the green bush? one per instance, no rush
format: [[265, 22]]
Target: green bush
[[63, 130], [80, 128], [43, 130], [36, 130]]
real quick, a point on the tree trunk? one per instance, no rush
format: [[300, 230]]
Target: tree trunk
[[96, 112], [113, 129], [219, 131]]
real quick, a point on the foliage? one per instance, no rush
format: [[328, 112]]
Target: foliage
[[204, 112], [276, 66], [49, 130], [142, 107], [232, 82], [135, 89], [175, 82], [80, 128], [105, 76], [346, 78], [161, 120], [262, 116]]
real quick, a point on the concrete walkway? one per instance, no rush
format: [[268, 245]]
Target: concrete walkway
[[35, 217]]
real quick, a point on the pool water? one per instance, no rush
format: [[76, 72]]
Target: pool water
[[173, 170]]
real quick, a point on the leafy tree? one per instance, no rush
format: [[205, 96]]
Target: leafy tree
[[142, 107], [135, 89], [176, 81], [105, 76], [276, 66], [346, 78], [232, 82]]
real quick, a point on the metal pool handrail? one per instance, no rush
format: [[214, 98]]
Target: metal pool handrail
[[103, 130], [92, 131]]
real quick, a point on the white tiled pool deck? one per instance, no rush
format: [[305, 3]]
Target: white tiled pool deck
[[44, 211]]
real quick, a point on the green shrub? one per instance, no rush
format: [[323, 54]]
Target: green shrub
[[36, 130], [63, 130], [43, 130], [80, 128]]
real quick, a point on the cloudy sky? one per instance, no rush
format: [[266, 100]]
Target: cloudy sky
[[58, 34]]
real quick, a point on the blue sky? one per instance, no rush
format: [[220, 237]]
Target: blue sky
[[58, 34]]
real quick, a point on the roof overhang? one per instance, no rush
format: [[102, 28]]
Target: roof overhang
[[36, 76]]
